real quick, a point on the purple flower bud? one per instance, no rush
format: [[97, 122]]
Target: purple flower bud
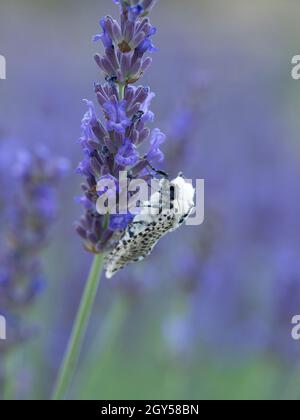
[[157, 139], [147, 44], [120, 221], [104, 37], [116, 116], [127, 154]]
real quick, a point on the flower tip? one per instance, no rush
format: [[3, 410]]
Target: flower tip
[[96, 38]]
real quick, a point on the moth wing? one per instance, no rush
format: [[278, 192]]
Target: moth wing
[[147, 228], [138, 242]]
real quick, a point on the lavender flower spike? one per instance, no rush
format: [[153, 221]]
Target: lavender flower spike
[[112, 141]]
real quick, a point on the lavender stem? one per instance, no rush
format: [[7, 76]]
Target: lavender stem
[[121, 91], [70, 360]]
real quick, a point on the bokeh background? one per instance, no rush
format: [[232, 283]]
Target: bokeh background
[[208, 314]]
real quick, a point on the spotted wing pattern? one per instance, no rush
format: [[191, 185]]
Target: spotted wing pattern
[[138, 242]]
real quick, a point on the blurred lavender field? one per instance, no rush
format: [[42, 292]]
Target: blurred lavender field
[[208, 314]]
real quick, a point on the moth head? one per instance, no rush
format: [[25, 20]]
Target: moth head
[[182, 195]]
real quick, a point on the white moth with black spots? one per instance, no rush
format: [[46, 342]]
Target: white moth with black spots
[[167, 209]]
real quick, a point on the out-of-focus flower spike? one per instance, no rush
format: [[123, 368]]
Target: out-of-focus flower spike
[[32, 209]]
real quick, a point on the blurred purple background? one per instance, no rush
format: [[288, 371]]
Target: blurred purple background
[[208, 314]]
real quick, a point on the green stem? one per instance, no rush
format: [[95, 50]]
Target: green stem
[[121, 91], [10, 364], [2, 377], [68, 366], [102, 351]]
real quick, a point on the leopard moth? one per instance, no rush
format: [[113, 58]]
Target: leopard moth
[[174, 202]]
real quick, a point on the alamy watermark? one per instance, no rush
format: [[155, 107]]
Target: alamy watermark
[[2, 328], [123, 196], [2, 67], [296, 328], [296, 67]]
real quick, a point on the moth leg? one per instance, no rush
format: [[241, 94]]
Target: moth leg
[[138, 223], [158, 171], [153, 206]]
